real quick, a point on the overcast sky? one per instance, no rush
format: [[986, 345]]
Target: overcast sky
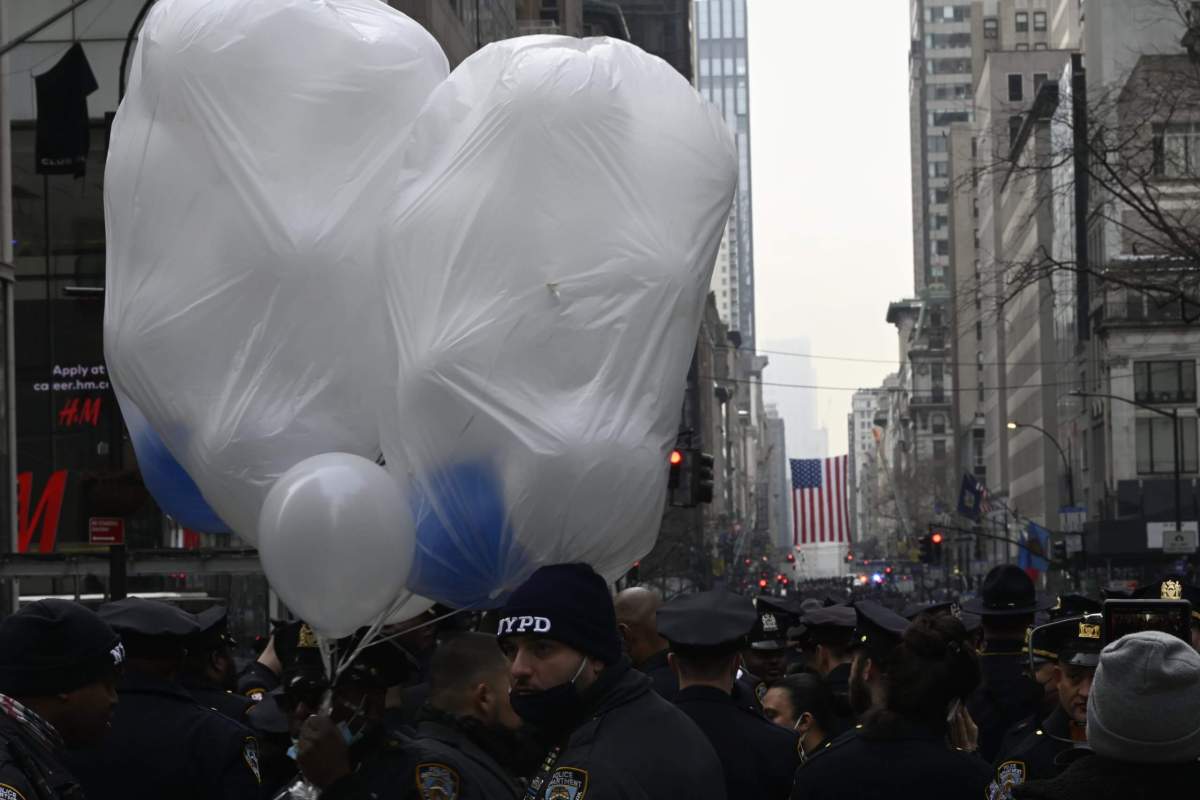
[[832, 204]]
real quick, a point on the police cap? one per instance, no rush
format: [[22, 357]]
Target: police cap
[[214, 629], [1083, 641], [715, 620], [831, 625], [878, 629], [150, 628], [914, 610], [771, 627], [1172, 589], [1074, 605]]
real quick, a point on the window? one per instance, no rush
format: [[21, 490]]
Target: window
[[1164, 381], [947, 41], [944, 118], [1177, 150], [942, 247], [939, 169], [1038, 79], [939, 423], [1022, 47], [941, 196], [1022, 22], [939, 448], [1040, 46], [1016, 84], [1014, 130], [949, 66], [1039, 20], [991, 28], [1155, 453]]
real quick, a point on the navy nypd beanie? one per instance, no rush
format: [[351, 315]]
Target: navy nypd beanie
[[54, 646], [569, 603]]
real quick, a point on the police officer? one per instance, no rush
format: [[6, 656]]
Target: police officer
[[765, 654], [1175, 589], [208, 671], [163, 743], [58, 672], [706, 631], [1033, 751], [913, 674], [647, 649], [344, 748], [469, 740], [830, 629], [1007, 695], [610, 734]]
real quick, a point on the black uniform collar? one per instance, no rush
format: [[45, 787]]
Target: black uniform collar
[[656, 661], [445, 729]]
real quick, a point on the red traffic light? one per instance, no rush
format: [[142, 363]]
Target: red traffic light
[[762, 583], [785, 581], [887, 570], [936, 538], [791, 557], [676, 458]]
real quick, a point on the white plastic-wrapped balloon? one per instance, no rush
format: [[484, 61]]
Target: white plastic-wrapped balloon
[[560, 210], [336, 541], [247, 172]]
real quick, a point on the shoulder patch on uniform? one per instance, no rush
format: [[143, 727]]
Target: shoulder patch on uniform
[[256, 694], [9, 793], [436, 781], [567, 783], [250, 754], [1008, 775], [760, 691]]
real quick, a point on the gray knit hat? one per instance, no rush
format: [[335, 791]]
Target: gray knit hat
[[1144, 706]]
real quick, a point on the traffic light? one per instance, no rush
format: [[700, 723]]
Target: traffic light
[[791, 557], [675, 462], [762, 583], [849, 557], [925, 544], [887, 570], [1058, 551], [703, 483]]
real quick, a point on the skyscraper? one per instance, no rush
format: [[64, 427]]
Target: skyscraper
[[722, 76]]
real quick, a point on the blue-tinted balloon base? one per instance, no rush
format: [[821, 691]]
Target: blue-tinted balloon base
[[466, 551], [172, 488]]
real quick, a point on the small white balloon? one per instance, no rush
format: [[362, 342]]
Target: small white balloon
[[336, 540]]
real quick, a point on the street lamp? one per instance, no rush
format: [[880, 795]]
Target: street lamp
[[1171, 414], [1012, 426]]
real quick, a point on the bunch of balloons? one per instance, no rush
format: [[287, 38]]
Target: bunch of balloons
[[411, 332]]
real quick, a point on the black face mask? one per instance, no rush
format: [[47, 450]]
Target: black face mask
[[554, 709]]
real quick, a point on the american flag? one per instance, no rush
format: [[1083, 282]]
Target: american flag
[[985, 505], [819, 509]]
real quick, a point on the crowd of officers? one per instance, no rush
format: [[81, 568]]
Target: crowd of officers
[[567, 693]]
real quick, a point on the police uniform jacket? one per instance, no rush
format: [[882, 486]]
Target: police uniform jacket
[[29, 769], [900, 761], [759, 757], [446, 756], [1031, 754], [163, 744], [661, 675], [256, 681], [231, 705], [838, 681], [1005, 697], [384, 762], [1094, 777], [749, 690], [633, 746]]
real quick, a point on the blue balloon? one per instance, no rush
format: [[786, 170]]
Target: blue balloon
[[173, 489], [466, 553]]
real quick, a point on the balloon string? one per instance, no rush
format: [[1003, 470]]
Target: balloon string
[[433, 621], [371, 636]]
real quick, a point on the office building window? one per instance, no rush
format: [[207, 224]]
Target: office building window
[[939, 423], [1177, 150], [991, 28], [1022, 47], [1164, 381], [949, 66], [1040, 46], [1016, 85], [941, 119], [939, 169], [1039, 20], [1155, 452], [1022, 22]]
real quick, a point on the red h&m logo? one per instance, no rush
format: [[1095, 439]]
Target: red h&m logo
[[47, 511], [75, 412]]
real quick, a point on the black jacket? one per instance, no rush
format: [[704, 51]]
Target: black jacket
[[231, 705], [759, 757], [1031, 753], [838, 681], [165, 744], [30, 769], [891, 763], [1097, 778], [661, 675], [1006, 696], [441, 746], [633, 745]]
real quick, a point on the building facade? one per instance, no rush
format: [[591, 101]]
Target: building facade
[[723, 77]]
